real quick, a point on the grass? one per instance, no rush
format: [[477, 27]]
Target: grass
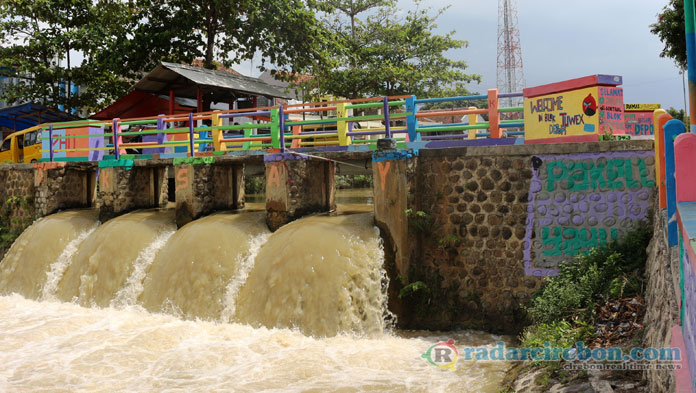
[[612, 271], [562, 311]]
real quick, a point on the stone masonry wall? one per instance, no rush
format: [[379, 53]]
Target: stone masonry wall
[[63, 186], [203, 188], [662, 311], [17, 195], [491, 222], [123, 189], [296, 187]]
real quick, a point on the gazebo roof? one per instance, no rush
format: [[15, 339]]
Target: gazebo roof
[[186, 81]]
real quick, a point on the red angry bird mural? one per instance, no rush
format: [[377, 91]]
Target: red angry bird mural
[[589, 105]]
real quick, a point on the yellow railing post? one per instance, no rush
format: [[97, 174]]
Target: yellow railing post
[[218, 136], [473, 119], [342, 125]]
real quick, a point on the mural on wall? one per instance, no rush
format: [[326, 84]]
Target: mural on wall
[[611, 107], [639, 119], [79, 144], [580, 201], [688, 310], [570, 113]]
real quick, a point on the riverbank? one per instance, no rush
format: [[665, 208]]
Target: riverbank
[[600, 300]]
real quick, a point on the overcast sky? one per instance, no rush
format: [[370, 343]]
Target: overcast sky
[[567, 39]]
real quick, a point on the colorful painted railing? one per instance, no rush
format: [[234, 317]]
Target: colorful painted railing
[[273, 129], [677, 157]]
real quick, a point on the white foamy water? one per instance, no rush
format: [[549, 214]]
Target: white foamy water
[[128, 295], [56, 347], [25, 266], [58, 267], [245, 264]]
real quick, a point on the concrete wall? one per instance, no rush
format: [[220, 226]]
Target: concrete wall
[[490, 222]]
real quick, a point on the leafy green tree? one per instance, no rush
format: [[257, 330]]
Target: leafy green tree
[[678, 114], [42, 39], [670, 28], [384, 54], [286, 34], [122, 40]]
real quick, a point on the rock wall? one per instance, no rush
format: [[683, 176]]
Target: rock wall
[[123, 189], [662, 311], [61, 185], [489, 223], [202, 188], [17, 197], [297, 186]]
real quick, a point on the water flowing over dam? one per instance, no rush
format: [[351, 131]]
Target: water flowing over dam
[[221, 303]]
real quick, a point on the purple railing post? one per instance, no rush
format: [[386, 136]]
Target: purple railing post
[[114, 130], [387, 130], [50, 142], [191, 144], [281, 125]]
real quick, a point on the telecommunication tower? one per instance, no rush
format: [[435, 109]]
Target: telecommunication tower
[[510, 73]]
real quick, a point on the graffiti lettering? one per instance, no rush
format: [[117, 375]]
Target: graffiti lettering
[[274, 175], [573, 241], [557, 129], [182, 178], [567, 120], [611, 91], [583, 176], [547, 117], [547, 104], [383, 167]]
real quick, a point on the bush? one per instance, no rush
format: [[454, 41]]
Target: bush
[[11, 228], [353, 181], [559, 334], [254, 185], [611, 270]]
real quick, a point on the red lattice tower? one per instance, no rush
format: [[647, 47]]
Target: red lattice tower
[[510, 73]]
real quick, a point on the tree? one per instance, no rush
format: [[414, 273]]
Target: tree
[[122, 40], [670, 29], [285, 33], [383, 54], [41, 38], [678, 114]]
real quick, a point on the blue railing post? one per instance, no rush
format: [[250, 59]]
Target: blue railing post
[[191, 144], [411, 120], [114, 131], [672, 129], [387, 130], [50, 142]]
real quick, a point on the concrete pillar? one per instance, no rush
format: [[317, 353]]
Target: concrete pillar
[[202, 188], [126, 188], [297, 186], [64, 185], [394, 182]]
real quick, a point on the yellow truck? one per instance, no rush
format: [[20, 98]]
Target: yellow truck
[[22, 146]]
